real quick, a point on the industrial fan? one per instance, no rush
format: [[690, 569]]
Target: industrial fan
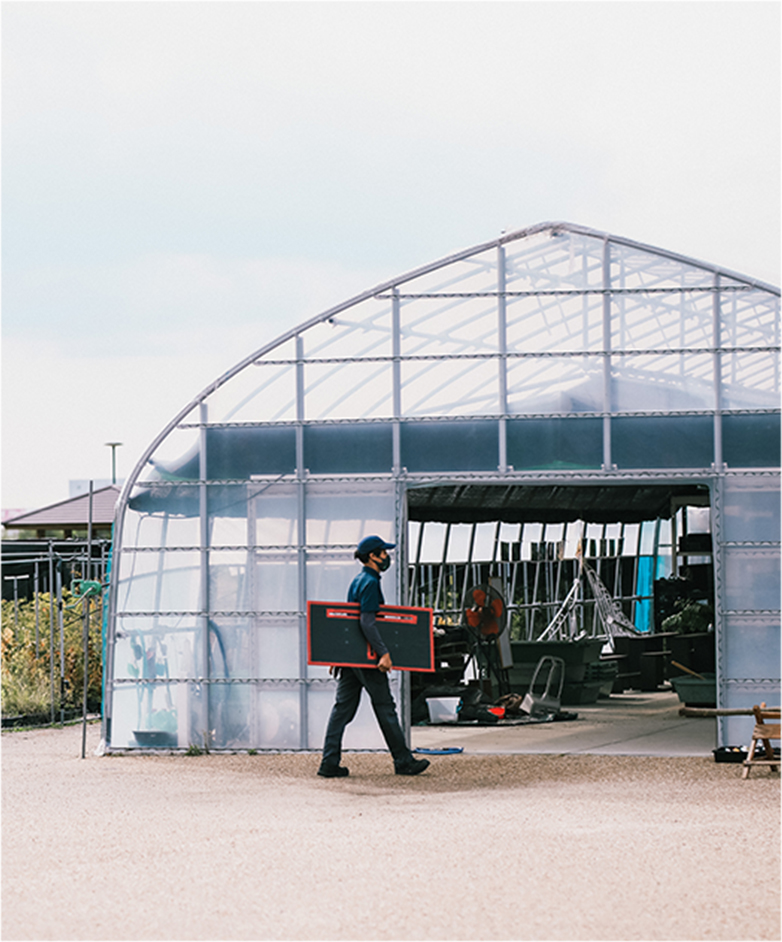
[[485, 616]]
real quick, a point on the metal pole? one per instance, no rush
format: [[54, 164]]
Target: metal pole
[[86, 639], [113, 446], [62, 641], [51, 625], [37, 614]]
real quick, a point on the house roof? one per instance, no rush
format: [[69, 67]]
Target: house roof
[[70, 513]]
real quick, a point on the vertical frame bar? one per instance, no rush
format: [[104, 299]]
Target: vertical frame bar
[[717, 343], [502, 360], [301, 548], [607, 461], [203, 524], [396, 350]]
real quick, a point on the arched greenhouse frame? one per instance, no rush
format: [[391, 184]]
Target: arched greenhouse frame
[[553, 375]]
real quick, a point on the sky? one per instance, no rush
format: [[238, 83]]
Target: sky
[[182, 182]]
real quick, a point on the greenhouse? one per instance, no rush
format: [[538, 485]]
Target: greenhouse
[[554, 394]]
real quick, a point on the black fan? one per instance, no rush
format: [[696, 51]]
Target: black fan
[[484, 613]]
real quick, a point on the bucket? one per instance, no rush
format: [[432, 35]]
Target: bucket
[[443, 709]]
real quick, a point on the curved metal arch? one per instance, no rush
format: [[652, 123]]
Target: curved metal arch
[[553, 227]]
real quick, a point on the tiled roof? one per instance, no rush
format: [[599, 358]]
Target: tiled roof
[[70, 513]]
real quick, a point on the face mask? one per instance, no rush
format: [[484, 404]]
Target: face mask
[[383, 564]]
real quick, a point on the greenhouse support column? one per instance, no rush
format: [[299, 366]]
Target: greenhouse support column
[[716, 498], [607, 462], [301, 550], [396, 350], [204, 561], [502, 362], [717, 343]]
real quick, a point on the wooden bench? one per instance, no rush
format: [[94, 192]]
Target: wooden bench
[[763, 732]]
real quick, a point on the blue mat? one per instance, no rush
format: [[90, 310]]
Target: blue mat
[[450, 751]]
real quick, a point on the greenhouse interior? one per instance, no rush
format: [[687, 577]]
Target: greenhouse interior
[[580, 426]]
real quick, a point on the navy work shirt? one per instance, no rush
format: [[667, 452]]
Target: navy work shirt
[[365, 589]]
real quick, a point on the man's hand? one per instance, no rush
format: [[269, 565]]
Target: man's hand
[[384, 664]]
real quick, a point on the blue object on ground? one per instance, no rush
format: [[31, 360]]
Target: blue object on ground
[[450, 751]]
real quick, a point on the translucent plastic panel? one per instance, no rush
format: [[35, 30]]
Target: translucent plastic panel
[[227, 505], [343, 513], [348, 391], [158, 528], [413, 535], [276, 581], [751, 441], [555, 385], [279, 718], [359, 331], [158, 647], [751, 510], [232, 647], [750, 380], [574, 534], [450, 446], [483, 547], [549, 260], [554, 323], [180, 500], [230, 589], [685, 441], [329, 577], [176, 456], [671, 383], [749, 319], [277, 651], [449, 325], [240, 452], [459, 540], [274, 514], [230, 711], [477, 273], [158, 715], [159, 582], [355, 448], [451, 387], [262, 392], [662, 321], [751, 646], [555, 443], [751, 579], [433, 542], [630, 538], [632, 267]]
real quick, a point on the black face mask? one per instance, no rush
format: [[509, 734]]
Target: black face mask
[[383, 564]]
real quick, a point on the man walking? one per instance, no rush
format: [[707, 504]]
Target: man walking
[[365, 589]]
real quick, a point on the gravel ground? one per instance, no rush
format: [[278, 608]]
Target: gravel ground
[[478, 847]]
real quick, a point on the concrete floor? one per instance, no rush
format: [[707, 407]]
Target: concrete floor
[[627, 724]]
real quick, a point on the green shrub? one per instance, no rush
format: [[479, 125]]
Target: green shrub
[[26, 678]]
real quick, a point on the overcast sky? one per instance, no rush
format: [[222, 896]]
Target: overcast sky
[[185, 181]]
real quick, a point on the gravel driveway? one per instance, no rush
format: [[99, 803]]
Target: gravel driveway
[[479, 847]]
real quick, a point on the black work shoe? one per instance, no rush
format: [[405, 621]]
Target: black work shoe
[[413, 767], [333, 771]]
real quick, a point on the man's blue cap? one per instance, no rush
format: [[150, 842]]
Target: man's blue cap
[[372, 544]]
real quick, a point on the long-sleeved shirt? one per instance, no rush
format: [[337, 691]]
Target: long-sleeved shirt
[[365, 589]]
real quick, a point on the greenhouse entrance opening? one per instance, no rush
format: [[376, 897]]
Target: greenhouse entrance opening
[[616, 579]]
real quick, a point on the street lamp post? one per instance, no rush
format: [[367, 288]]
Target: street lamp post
[[113, 446]]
